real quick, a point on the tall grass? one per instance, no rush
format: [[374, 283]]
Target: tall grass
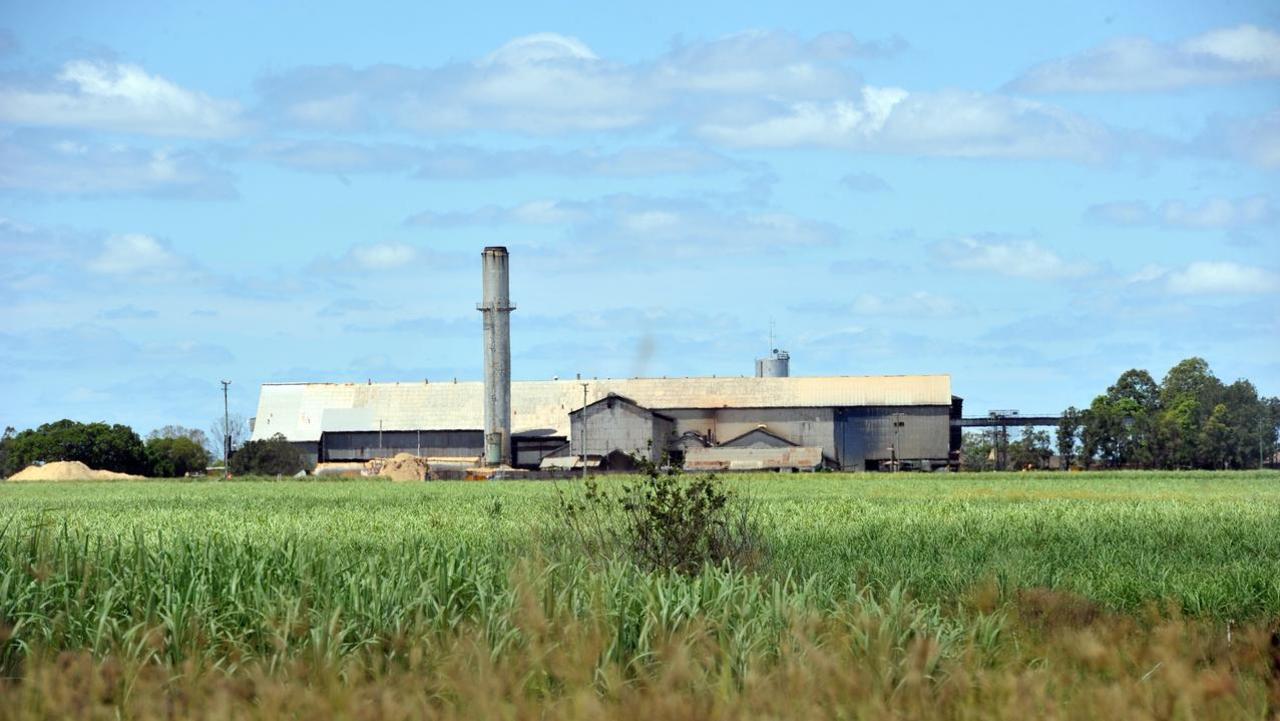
[[1134, 596], [1209, 541], [221, 603]]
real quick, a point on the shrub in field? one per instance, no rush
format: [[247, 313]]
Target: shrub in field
[[173, 457], [665, 521], [270, 457]]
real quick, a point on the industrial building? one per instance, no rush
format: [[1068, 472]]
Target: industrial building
[[771, 421], [850, 419]]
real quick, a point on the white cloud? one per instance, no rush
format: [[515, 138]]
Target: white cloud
[[1147, 274], [389, 257], [837, 122], [865, 183], [133, 254], [1015, 258], [619, 222], [539, 47], [456, 161], [1221, 56], [383, 256], [752, 89], [1216, 213], [549, 83], [1222, 278], [1243, 45], [119, 97], [946, 124], [915, 303], [760, 63], [343, 157], [546, 212], [1210, 214], [1254, 140], [534, 212], [48, 164], [1122, 212]]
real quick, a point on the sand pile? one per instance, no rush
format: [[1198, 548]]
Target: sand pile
[[68, 471], [401, 467]]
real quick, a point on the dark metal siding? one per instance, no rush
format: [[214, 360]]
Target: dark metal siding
[[364, 445], [864, 434], [310, 451], [529, 452]]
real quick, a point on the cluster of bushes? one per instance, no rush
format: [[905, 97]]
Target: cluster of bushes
[[98, 445], [989, 451], [168, 452], [274, 456], [1190, 419]]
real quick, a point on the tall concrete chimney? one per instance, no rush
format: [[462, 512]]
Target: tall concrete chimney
[[496, 307]]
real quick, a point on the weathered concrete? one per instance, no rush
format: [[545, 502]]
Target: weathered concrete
[[496, 307]]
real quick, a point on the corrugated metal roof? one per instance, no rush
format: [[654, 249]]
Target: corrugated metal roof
[[301, 411]]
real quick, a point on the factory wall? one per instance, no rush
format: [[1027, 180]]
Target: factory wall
[[854, 438], [310, 451], [801, 426], [364, 445], [865, 434], [613, 424]]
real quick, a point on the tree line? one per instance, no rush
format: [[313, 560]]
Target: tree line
[[1188, 420], [167, 452]]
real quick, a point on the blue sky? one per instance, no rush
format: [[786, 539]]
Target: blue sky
[[1031, 199]]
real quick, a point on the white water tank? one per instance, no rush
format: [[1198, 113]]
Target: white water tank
[[777, 365]]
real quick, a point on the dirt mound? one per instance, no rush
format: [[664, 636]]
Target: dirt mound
[[68, 471], [401, 467]]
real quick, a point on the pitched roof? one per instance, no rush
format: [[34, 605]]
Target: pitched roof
[[624, 399], [301, 411], [740, 440]]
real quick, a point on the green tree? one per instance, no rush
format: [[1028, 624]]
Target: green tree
[[1190, 420], [5, 442], [1191, 379], [97, 445], [1068, 436], [1031, 450], [174, 431], [175, 457], [977, 453], [1177, 435], [1100, 434], [1138, 386], [270, 457], [1216, 439]]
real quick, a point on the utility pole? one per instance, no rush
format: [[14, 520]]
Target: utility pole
[[898, 423], [226, 434], [584, 431]]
